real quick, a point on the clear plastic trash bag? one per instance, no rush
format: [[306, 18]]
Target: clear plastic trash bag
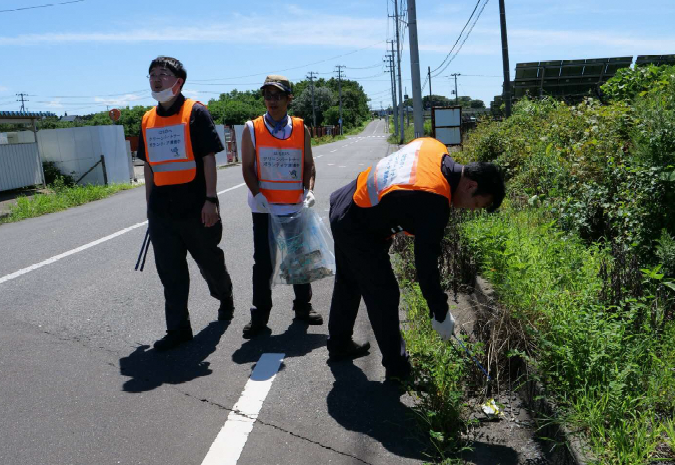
[[301, 247]]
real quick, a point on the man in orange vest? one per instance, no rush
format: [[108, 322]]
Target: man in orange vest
[[279, 171], [410, 191], [178, 143]]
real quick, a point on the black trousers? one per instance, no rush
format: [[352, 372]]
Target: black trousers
[[263, 269], [363, 269], [171, 240]]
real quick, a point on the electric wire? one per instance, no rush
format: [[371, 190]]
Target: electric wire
[[465, 38], [293, 68], [40, 6], [459, 37]]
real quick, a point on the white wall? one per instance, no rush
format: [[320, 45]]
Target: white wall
[[221, 157], [238, 131], [76, 150], [19, 166]]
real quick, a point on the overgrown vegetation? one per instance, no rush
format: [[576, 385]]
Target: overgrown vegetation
[[581, 258], [408, 132], [62, 194]]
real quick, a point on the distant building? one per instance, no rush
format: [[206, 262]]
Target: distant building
[[69, 118]]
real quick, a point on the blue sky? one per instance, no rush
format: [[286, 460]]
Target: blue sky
[[86, 56]]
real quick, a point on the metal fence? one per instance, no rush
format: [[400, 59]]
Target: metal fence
[[19, 166]]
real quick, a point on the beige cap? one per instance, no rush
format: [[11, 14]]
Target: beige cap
[[280, 82]]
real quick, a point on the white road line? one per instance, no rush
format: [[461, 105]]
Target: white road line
[[230, 442], [333, 151], [56, 258], [232, 188], [331, 164]]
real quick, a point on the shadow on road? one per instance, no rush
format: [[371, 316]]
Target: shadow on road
[[373, 408], [149, 369], [294, 342]]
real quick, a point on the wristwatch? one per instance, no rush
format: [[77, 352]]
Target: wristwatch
[[213, 200]]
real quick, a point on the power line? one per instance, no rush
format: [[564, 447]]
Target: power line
[[465, 38], [295, 67], [460, 36], [365, 67], [367, 77], [41, 6]]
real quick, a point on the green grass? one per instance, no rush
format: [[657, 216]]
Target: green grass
[[60, 198], [611, 369], [440, 408], [347, 132], [409, 133]]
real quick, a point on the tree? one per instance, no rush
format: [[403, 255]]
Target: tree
[[237, 107], [323, 100]]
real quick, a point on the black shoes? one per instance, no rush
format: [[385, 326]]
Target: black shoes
[[173, 338], [258, 323], [346, 350], [308, 315], [259, 319], [226, 311]]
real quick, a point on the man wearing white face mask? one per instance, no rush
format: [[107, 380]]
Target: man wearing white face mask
[[178, 143]]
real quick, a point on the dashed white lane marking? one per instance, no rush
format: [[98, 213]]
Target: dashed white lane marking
[[231, 439], [341, 166], [318, 156], [333, 151], [56, 258], [331, 164]]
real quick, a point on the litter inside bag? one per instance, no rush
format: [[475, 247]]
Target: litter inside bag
[[301, 247]]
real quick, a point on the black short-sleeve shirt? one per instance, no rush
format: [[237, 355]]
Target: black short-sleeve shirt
[[421, 213], [185, 200]]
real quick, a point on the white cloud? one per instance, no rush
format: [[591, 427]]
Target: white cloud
[[56, 103], [122, 100], [4, 89], [301, 28], [609, 41]]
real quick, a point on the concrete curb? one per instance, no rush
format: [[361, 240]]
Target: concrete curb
[[576, 451]]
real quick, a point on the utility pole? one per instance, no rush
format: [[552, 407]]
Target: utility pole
[[22, 98], [431, 103], [393, 87], [311, 80], [418, 109], [407, 113], [400, 84], [505, 59], [339, 70], [456, 95]]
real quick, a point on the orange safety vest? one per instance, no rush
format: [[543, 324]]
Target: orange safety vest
[[168, 147], [280, 162], [416, 166]]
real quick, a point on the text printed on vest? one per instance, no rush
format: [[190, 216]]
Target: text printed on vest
[[397, 168], [280, 164], [166, 143]]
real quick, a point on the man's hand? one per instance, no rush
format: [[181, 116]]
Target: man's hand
[[309, 198], [444, 328], [261, 203], [210, 214]]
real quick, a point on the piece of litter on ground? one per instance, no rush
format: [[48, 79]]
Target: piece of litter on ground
[[491, 409]]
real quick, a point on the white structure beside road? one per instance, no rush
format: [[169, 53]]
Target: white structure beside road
[[76, 150]]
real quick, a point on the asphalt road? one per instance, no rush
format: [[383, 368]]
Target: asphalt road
[[79, 383]]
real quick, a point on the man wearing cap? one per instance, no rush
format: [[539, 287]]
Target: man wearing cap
[[178, 143], [278, 190]]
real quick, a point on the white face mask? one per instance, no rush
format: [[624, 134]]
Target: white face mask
[[163, 95]]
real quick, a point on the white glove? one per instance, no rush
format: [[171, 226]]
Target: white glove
[[261, 203], [309, 199], [446, 328]]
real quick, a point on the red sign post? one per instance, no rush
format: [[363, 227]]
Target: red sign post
[[114, 114]]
